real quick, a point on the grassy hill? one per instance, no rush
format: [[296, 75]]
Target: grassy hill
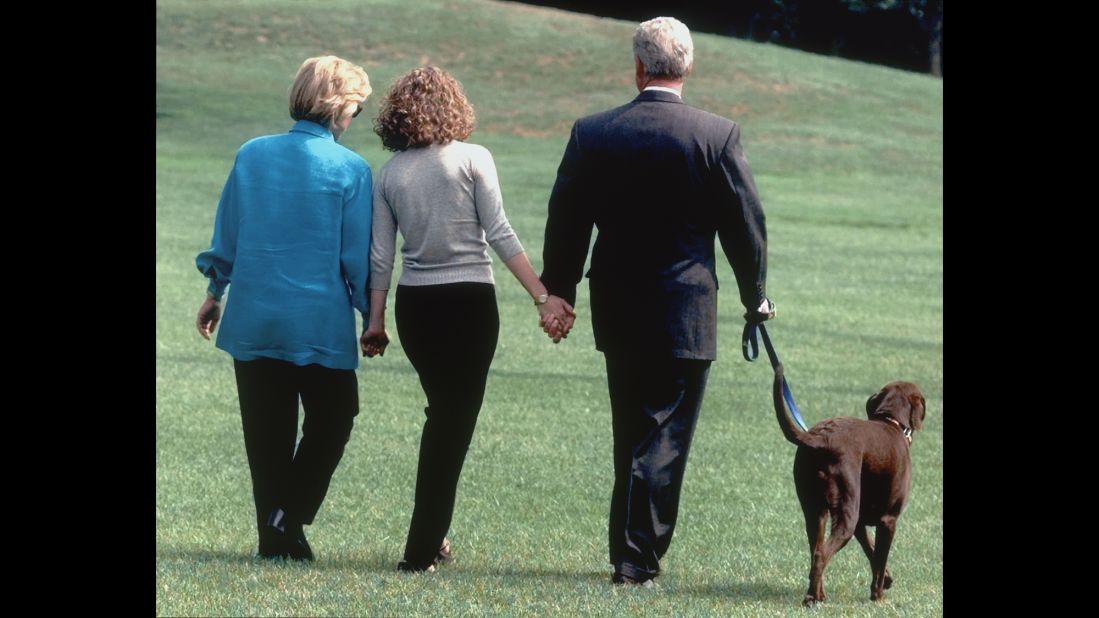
[[848, 160]]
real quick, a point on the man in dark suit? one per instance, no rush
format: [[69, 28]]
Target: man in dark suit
[[659, 179]]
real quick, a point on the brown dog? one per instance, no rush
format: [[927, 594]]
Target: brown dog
[[856, 471]]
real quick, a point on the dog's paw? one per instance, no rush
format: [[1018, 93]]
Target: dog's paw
[[877, 595], [812, 601]]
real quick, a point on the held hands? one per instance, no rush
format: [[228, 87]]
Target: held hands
[[208, 316], [556, 318], [374, 341]]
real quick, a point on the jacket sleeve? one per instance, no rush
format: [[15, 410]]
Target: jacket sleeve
[[568, 226], [741, 225]]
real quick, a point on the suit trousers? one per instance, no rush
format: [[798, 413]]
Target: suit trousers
[[449, 333], [655, 404], [287, 473]]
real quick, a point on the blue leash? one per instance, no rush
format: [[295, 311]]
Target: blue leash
[[750, 345]]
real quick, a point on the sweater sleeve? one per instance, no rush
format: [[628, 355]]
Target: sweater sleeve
[[383, 238], [490, 207]]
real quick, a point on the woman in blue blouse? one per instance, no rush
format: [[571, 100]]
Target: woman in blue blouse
[[292, 237]]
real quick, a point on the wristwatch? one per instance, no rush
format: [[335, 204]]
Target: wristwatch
[[542, 299]]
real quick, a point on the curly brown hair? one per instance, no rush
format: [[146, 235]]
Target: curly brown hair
[[424, 106]]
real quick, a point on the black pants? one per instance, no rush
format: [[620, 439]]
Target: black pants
[[654, 408], [294, 480], [449, 333]]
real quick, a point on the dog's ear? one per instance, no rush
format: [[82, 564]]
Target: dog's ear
[[874, 401], [917, 410]]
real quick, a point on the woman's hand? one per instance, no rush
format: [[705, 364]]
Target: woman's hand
[[208, 316], [556, 318], [374, 341]]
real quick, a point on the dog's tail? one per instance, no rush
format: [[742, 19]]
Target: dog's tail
[[793, 433]]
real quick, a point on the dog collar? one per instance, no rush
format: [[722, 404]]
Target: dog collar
[[907, 431]]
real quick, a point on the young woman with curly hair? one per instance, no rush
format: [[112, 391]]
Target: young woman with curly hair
[[444, 196]]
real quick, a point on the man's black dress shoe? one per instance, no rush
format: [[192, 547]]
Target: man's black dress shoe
[[444, 556], [404, 566], [270, 544], [286, 538], [620, 579]]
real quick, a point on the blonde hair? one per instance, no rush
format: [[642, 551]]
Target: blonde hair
[[326, 89], [424, 106], [664, 47]]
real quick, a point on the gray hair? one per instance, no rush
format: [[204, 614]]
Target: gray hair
[[664, 47]]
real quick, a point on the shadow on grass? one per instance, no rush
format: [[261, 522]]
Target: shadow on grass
[[372, 564], [385, 564], [675, 586], [534, 572], [740, 590]]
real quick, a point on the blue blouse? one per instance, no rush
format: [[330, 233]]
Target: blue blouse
[[292, 235]]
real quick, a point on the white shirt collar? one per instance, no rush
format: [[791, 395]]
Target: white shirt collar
[[663, 89]]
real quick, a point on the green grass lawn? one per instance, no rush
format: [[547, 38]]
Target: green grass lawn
[[848, 161]]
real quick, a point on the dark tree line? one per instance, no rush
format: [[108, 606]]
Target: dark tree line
[[907, 34]]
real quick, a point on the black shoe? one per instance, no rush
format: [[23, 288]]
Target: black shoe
[[621, 579], [404, 566], [270, 544], [288, 538], [268, 553], [443, 556], [297, 547]]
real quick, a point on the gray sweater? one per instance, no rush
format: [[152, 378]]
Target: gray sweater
[[446, 201]]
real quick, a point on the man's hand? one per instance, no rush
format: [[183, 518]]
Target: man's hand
[[765, 311], [556, 318]]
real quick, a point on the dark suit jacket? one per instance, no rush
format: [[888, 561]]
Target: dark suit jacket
[[659, 179]]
